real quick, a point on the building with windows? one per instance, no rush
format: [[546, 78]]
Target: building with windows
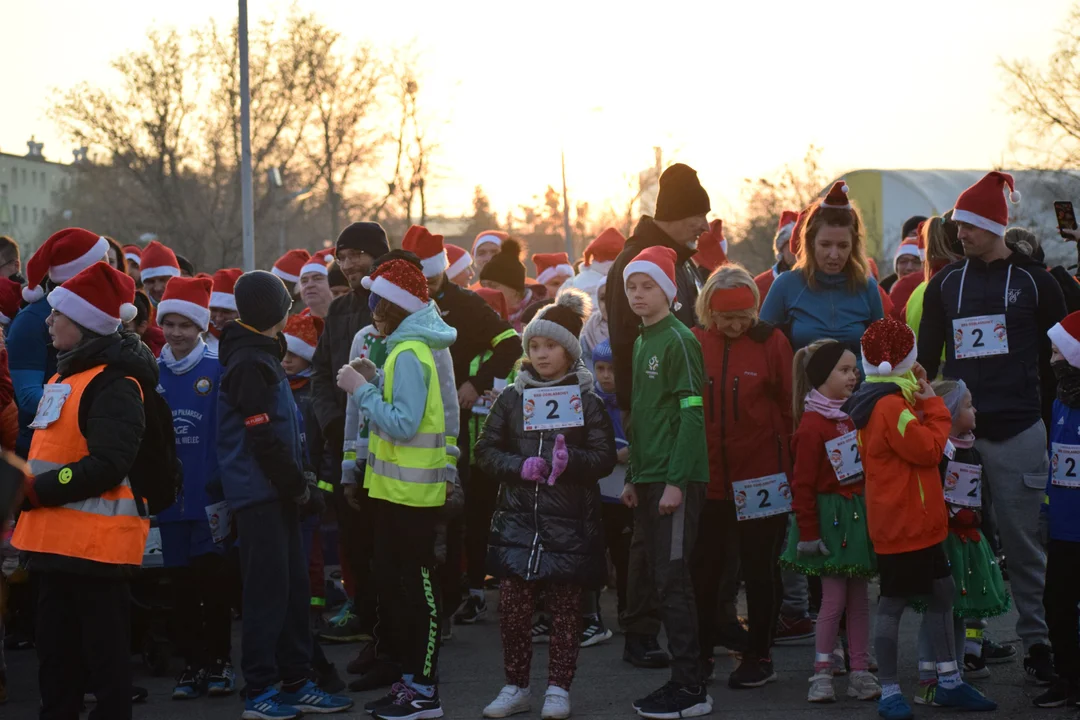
[[30, 188]]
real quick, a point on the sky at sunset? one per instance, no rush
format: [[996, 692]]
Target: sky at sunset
[[734, 89]]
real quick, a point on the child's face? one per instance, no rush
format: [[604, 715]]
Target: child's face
[[155, 288], [293, 364], [842, 379], [1055, 354], [646, 298], [554, 284], [548, 357], [180, 333], [605, 376], [964, 421]]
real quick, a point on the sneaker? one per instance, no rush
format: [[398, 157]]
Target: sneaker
[[975, 667], [268, 706], [926, 693], [769, 670], [411, 705], [365, 659], [541, 629], [474, 608], [863, 686], [1062, 692], [594, 632], [1038, 665], [964, 697], [821, 688], [838, 659], [221, 680], [327, 678], [749, 674], [644, 651], [188, 684], [344, 628], [667, 688], [996, 653], [790, 629], [682, 701], [310, 699], [894, 707], [511, 700], [733, 635], [388, 699], [556, 704]]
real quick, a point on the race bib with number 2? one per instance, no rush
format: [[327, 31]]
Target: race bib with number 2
[[53, 397], [845, 458], [963, 484], [762, 497], [552, 408], [980, 336], [1064, 461]]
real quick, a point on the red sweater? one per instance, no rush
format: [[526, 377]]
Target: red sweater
[[814, 473]]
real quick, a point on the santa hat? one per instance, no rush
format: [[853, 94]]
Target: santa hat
[[158, 261], [63, 256], [224, 282], [784, 228], [601, 253], [319, 262], [552, 265], [796, 232], [495, 299], [496, 237], [289, 265], [99, 298], [1066, 336], [983, 204], [189, 297], [912, 246], [888, 348], [429, 248], [459, 261], [712, 247], [400, 282], [9, 300], [658, 262], [133, 254], [302, 335], [837, 198]]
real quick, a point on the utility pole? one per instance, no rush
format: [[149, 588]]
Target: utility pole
[[247, 207], [566, 211]]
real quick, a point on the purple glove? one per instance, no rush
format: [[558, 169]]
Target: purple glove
[[534, 469], [559, 459]]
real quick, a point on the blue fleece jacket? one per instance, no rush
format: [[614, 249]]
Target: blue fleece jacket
[[32, 361], [1063, 503], [830, 311]]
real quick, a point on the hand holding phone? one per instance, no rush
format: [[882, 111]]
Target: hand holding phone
[[1066, 219]]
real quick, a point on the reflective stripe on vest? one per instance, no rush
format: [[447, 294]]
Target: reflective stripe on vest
[[106, 529], [410, 472]]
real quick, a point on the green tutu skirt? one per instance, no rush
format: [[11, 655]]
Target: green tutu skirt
[[980, 588], [842, 524]]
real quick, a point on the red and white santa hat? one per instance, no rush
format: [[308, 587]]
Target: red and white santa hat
[[64, 255], [601, 253], [188, 297], [302, 335], [888, 348], [10, 292], [459, 259], [494, 237], [429, 248], [400, 282], [983, 204], [99, 299], [133, 254], [158, 261], [784, 227], [552, 265], [658, 262], [837, 198], [913, 246], [319, 262], [224, 282], [1066, 336], [712, 247], [289, 265]]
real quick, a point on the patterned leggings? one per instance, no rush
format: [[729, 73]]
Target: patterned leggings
[[563, 603]]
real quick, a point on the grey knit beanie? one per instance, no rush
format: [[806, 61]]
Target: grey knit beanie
[[261, 299]]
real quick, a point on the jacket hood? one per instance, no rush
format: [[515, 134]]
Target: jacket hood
[[578, 375], [648, 234], [235, 337], [121, 350], [860, 405], [425, 326]]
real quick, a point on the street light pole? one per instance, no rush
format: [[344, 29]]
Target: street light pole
[[246, 201], [566, 210]]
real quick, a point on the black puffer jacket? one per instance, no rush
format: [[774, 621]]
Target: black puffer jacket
[[541, 532]]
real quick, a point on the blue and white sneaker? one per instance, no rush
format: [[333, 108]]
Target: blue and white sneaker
[[188, 685], [221, 680], [268, 706], [310, 699], [964, 697], [894, 707]]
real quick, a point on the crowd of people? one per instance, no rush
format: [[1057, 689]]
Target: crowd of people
[[652, 418]]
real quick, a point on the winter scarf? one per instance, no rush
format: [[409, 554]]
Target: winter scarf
[[180, 367], [816, 402], [906, 382], [964, 443], [301, 378], [1068, 377]]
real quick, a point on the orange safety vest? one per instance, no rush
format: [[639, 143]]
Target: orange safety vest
[[106, 529]]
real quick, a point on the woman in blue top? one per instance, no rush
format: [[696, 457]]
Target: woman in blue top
[[830, 292]]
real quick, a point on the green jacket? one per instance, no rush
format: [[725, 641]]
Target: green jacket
[[667, 434]]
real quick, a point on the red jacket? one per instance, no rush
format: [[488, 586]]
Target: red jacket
[[901, 293], [764, 281], [813, 473], [747, 405]]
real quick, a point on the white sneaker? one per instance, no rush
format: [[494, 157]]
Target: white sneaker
[[511, 701], [863, 686], [821, 689], [556, 704], [837, 659]]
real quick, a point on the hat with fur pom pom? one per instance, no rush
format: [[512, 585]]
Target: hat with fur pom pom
[[562, 321]]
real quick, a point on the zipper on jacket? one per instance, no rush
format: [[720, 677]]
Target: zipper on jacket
[[712, 400], [723, 414], [537, 549], [735, 397]]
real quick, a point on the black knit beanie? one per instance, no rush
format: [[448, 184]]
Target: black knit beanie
[[506, 266], [367, 237], [262, 300], [680, 194], [911, 225], [562, 321]]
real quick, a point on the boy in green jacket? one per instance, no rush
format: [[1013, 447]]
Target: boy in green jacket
[[670, 470]]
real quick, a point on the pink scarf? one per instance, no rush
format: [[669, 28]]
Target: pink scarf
[[965, 442], [816, 402]]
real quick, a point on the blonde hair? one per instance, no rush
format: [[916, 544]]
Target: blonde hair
[[726, 277], [856, 269], [800, 381], [935, 239]]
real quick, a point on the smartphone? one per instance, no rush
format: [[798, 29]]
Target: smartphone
[[1066, 216]]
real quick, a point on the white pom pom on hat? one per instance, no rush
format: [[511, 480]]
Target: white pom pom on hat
[[128, 312], [885, 368]]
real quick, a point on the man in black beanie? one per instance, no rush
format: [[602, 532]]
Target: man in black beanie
[[357, 248]]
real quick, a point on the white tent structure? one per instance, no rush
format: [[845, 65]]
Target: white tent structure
[[886, 198]]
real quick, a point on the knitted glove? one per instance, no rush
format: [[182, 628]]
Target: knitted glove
[[348, 379], [365, 367], [560, 458], [812, 547], [534, 469]]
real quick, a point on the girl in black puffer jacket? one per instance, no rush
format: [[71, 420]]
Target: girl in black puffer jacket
[[546, 530]]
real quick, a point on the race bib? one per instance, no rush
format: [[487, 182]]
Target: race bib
[[845, 458], [950, 449], [1064, 460], [552, 408], [963, 484], [762, 497], [980, 336], [219, 516], [52, 402]]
